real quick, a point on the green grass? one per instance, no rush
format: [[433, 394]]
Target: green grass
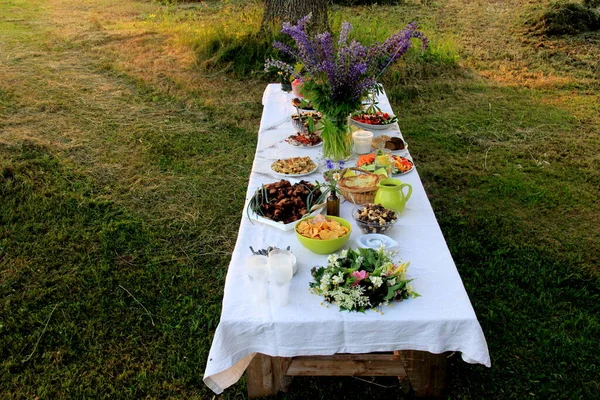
[[124, 163], [65, 248]]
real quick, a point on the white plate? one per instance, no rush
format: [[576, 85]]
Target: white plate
[[373, 127], [411, 168], [400, 173], [305, 147], [294, 175], [405, 172], [404, 150], [280, 225], [375, 241]]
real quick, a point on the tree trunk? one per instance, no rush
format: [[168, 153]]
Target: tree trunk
[[278, 11]]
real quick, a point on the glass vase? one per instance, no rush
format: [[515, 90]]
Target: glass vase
[[337, 138], [333, 205], [286, 86]]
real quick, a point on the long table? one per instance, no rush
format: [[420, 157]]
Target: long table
[[272, 342]]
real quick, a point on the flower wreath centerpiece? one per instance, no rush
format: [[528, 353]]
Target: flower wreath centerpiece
[[361, 279], [337, 73]]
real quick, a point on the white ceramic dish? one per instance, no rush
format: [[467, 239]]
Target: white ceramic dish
[[399, 173], [405, 172], [280, 225], [294, 175], [370, 127], [375, 241], [401, 151], [300, 146]]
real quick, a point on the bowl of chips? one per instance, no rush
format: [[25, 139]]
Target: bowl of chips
[[323, 235]]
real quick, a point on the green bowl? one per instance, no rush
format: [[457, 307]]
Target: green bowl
[[328, 246]]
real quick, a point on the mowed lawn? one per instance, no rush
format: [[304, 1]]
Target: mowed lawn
[[124, 156]]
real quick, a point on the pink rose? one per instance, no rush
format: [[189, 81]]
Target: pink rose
[[359, 276]]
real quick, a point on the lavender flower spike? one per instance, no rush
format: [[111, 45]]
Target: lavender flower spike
[[283, 48], [344, 32], [340, 73]]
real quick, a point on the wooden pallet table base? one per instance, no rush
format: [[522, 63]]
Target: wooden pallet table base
[[425, 371]]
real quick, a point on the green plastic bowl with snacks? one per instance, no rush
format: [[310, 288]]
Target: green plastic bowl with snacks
[[324, 246], [374, 218]]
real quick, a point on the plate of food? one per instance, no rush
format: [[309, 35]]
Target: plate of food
[[306, 122], [294, 167], [394, 143], [302, 104], [377, 120], [401, 165], [282, 204], [305, 140]]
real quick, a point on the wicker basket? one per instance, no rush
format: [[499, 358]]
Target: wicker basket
[[359, 195]]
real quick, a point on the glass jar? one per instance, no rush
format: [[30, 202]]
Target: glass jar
[[333, 205], [362, 141], [383, 159]]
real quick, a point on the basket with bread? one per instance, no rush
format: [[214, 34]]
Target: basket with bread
[[358, 186]]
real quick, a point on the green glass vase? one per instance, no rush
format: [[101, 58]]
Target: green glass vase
[[337, 138]]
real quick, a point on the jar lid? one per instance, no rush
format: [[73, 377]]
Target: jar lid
[[363, 134]]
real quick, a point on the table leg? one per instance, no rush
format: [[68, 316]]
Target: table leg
[[426, 372], [265, 375]]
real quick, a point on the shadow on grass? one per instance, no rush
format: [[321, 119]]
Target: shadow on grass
[[127, 306]]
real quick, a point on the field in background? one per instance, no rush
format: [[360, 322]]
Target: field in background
[[126, 140]]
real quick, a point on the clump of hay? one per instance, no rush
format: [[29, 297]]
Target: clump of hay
[[566, 19], [591, 3]]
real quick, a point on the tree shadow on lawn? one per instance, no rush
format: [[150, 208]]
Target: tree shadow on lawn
[[93, 300]]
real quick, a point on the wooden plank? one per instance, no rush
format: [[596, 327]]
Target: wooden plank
[[403, 381], [265, 375], [347, 365], [281, 366], [426, 372]]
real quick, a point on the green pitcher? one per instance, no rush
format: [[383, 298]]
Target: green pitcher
[[391, 195]]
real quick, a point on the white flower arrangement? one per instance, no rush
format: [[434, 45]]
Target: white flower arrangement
[[360, 279]]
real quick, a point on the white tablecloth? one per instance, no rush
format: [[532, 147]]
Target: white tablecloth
[[441, 320]]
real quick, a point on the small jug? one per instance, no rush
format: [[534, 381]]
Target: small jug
[[390, 194]]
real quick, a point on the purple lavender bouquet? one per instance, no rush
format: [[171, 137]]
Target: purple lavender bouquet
[[337, 74]]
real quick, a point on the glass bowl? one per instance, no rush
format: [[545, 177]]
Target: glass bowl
[[374, 226], [300, 122]]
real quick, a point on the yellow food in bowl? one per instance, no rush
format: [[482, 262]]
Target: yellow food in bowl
[[321, 228], [325, 236]]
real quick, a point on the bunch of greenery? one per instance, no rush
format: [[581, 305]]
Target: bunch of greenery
[[361, 279], [339, 72]]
